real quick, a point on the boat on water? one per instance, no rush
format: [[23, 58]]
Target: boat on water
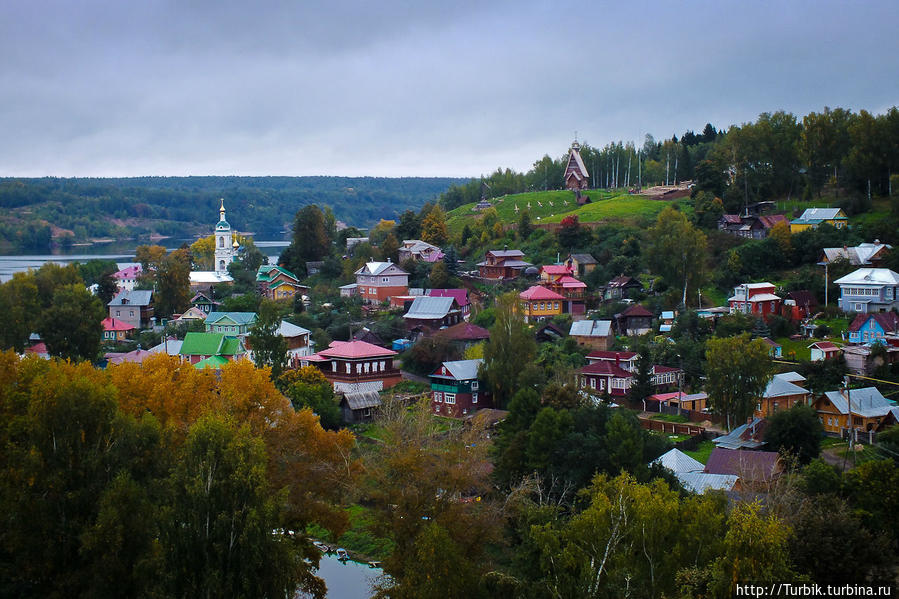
[[322, 547], [342, 555], [374, 564]]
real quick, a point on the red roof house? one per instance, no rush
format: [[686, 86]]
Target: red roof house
[[357, 366], [116, 330]]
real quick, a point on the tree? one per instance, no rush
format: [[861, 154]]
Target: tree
[[390, 248], [268, 347], [433, 226], [202, 253], [409, 226], [19, 310], [677, 251], [569, 232], [72, 327], [510, 346], [173, 283], [451, 261], [525, 228], [308, 388], [310, 240], [738, 371], [439, 276], [642, 386], [150, 258], [796, 431]]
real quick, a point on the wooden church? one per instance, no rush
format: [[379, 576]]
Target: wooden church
[[576, 176]]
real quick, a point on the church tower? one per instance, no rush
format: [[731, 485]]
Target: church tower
[[224, 251], [576, 175]]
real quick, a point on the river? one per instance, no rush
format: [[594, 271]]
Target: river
[[117, 252], [346, 580]]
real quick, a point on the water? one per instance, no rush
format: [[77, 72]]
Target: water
[[117, 252], [346, 580]]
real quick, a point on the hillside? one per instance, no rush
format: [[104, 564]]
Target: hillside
[[553, 206], [34, 211]]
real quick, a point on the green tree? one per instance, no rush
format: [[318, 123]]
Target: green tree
[[72, 327], [439, 277], [525, 228], [510, 346], [797, 431], [738, 371], [409, 226], [390, 248], [676, 251], [451, 261], [642, 387], [268, 347], [310, 240], [307, 387], [217, 534], [19, 310]]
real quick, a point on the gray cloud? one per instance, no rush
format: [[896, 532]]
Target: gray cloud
[[409, 88]]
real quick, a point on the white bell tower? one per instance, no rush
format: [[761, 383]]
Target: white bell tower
[[224, 251]]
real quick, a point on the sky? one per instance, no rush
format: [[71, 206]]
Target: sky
[[410, 88]]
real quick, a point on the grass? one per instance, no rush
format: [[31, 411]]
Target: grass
[[670, 417], [702, 451], [358, 537], [562, 201], [799, 346], [622, 207]]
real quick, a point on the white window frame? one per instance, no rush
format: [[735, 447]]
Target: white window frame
[[449, 398], [474, 398], [475, 385], [438, 396]]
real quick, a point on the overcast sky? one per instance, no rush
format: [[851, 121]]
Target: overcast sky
[[412, 88]]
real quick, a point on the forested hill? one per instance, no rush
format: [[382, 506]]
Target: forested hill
[[80, 209]]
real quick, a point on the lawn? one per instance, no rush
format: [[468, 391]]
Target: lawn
[[702, 451], [669, 417], [799, 346], [621, 207], [542, 205]]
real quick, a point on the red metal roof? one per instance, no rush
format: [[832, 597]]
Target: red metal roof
[[464, 331], [556, 269], [571, 283], [611, 355], [637, 310], [355, 349], [111, 324], [460, 295], [539, 293], [605, 367], [888, 321]]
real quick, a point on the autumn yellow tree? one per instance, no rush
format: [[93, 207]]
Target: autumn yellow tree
[[202, 252], [780, 233], [433, 227]]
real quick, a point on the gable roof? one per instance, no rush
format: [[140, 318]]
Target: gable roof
[[823, 346], [209, 344], [636, 310], [425, 307], [129, 272], [267, 272], [867, 402], [780, 387], [361, 400], [538, 292], [888, 321], [459, 370], [700, 482], [583, 258], [591, 328], [769, 220], [238, 318], [506, 253], [377, 268], [202, 298], [460, 295], [749, 465], [607, 368], [288, 329], [215, 362], [137, 297], [569, 282], [111, 324], [555, 269], [746, 436], [624, 281], [354, 349], [820, 214], [870, 276], [464, 331], [574, 154]]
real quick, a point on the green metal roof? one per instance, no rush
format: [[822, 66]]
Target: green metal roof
[[231, 347], [215, 362], [267, 272], [201, 344], [238, 318]]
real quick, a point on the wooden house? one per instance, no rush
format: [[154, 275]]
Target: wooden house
[[354, 366], [278, 283], [230, 323], [456, 389], [622, 287], [428, 314], [204, 303], [359, 406], [133, 307], [539, 303], [781, 393], [594, 334], [200, 346], [757, 299], [116, 330], [581, 264], [576, 175], [868, 409], [635, 320], [377, 282], [502, 264], [824, 350]]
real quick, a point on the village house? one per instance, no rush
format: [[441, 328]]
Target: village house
[[756, 470], [190, 315], [757, 299], [823, 350], [613, 372], [775, 349], [133, 307], [116, 330], [428, 314], [622, 287], [298, 343], [581, 264], [869, 290], [750, 435], [812, 218], [127, 278], [576, 176], [539, 303], [359, 406], [356, 366], [377, 282], [861, 359], [799, 305], [230, 323], [419, 251], [278, 283], [866, 328], [460, 295], [502, 264], [464, 334], [594, 334], [864, 254], [198, 347], [689, 472], [204, 303], [557, 278], [782, 393], [685, 401], [635, 320], [868, 409], [456, 390], [350, 290], [749, 226]]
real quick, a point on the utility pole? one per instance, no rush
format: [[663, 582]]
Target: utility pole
[[640, 171], [851, 430], [617, 164], [628, 182], [667, 164], [675, 169]]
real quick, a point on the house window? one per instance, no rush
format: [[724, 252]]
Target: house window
[[118, 313], [474, 398], [583, 381], [449, 398], [556, 306], [474, 385], [592, 383], [382, 365], [131, 312], [385, 280], [438, 396], [333, 366], [348, 368], [758, 407]]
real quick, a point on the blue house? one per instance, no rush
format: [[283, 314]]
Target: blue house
[[869, 290], [867, 328]]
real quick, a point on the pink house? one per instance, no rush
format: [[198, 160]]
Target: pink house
[[757, 299]]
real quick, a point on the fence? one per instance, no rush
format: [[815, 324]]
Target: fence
[[672, 428]]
